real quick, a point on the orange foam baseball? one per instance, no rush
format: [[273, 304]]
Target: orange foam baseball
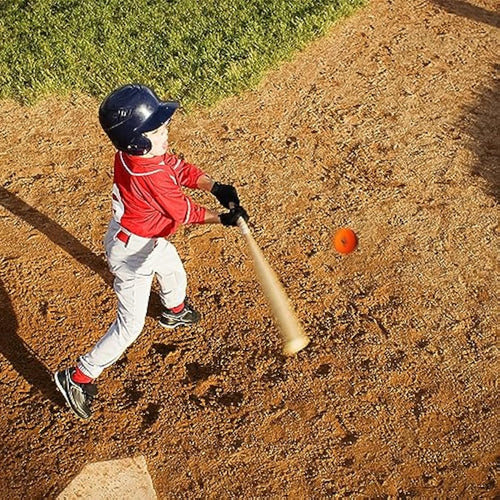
[[345, 240]]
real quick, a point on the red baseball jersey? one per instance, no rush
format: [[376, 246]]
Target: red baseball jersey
[[147, 197]]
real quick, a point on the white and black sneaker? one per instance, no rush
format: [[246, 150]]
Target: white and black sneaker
[[78, 396], [188, 316]]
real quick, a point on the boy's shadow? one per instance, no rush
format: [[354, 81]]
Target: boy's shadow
[[19, 354], [12, 346], [66, 241]]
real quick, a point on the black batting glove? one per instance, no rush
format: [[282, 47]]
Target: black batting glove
[[231, 218], [226, 194]]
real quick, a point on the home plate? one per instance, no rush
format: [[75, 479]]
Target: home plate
[[112, 480]]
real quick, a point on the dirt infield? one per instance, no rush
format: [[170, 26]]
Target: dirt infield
[[389, 125]]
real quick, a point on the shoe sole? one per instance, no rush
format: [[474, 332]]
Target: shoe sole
[[179, 322], [66, 396], [175, 325]]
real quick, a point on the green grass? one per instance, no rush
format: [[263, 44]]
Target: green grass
[[195, 51]]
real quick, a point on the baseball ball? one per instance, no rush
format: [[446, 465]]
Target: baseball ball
[[345, 240]]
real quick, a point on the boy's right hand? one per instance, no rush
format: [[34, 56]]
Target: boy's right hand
[[231, 218]]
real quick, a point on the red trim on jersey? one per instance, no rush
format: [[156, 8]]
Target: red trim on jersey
[[154, 204]]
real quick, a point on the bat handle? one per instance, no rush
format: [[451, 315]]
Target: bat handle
[[241, 221], [243, 226]]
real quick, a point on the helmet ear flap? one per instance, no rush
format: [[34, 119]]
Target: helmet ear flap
[[139, 145]]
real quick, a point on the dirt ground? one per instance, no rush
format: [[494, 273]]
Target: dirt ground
[[389, 125]]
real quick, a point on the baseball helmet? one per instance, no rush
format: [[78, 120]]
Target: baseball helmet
[[131, 110]]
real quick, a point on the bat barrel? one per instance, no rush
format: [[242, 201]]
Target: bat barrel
[[295, 345], [290, 329]]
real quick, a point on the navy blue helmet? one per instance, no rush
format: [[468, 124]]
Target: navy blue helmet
[[131, 110]]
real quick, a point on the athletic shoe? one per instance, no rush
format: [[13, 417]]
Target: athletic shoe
[[188, 316], [78, 396]]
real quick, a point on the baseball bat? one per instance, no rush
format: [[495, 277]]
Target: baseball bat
[[291, 331]]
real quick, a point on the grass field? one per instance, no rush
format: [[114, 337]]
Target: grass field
[[196, 51]]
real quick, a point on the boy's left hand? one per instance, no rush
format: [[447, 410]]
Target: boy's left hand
[[231, 218], [225, 193]]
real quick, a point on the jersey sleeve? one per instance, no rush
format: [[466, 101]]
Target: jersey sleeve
[[187, 173], [172, 202]]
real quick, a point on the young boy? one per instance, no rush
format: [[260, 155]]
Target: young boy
[[148, 206]]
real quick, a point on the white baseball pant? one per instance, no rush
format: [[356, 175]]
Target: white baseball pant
[[134, 261]]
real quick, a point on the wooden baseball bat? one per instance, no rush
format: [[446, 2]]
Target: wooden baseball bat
[[290, 329]]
